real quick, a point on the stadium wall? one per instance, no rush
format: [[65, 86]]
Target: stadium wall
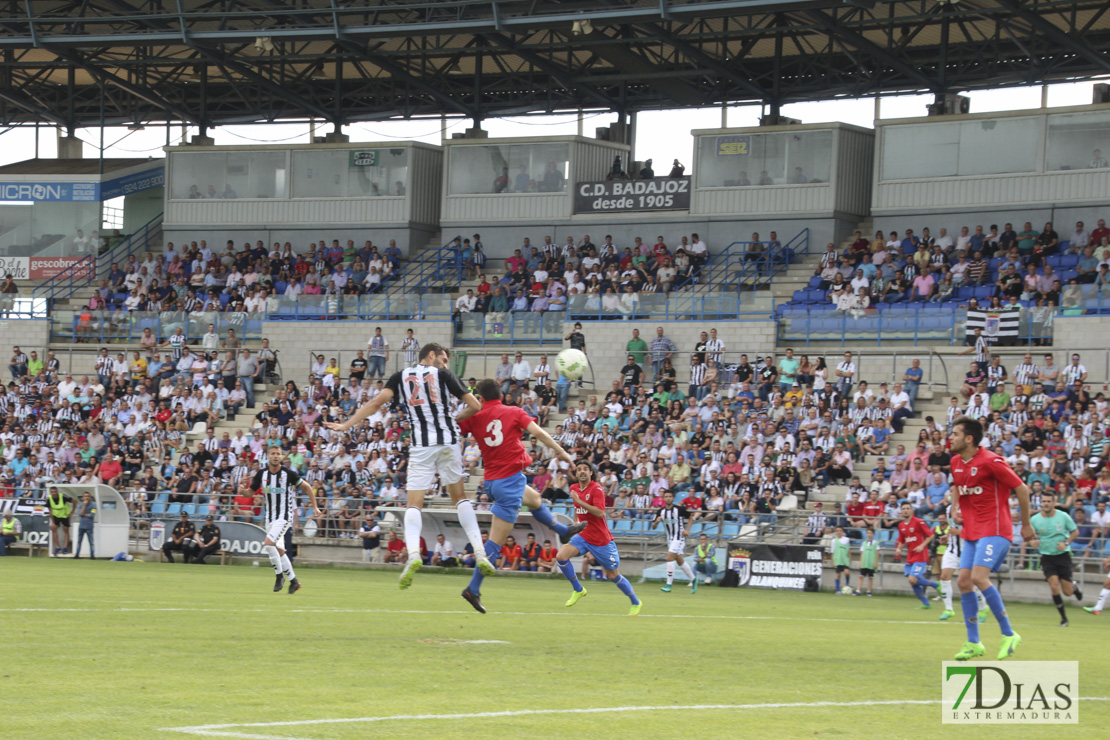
[[1081, 332], [294, 340], [27, 334]]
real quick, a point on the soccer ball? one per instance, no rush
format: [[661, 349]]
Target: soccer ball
[[845, 590], [572, 363]]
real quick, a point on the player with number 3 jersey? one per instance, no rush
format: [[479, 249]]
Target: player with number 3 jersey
[[499, 430]]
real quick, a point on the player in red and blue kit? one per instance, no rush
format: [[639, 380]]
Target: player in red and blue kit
[[498, 430], [982, 482], [915, 535], [589, 506]]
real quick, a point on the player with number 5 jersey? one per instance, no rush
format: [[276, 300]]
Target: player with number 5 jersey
[[424, 393], [499, 430], [982, 481]]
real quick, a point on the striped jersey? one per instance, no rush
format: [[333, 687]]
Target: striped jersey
[[177, 344], [279, 490], [425, 392], [674, 521]]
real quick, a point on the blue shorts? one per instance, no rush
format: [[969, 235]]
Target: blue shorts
[[989, 552], [507, 495], [606, 555], [914, 569]]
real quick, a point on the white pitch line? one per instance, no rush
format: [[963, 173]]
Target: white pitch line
[[223, 730], [324, 610]]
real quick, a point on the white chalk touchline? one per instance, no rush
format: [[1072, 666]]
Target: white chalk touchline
[[325, 610], [223, 729]]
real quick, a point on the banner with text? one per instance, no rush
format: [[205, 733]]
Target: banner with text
[[44, 268], [18, 267], [783, 567], [625, 196]]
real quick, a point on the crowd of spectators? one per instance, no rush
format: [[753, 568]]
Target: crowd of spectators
[[730, 436], [1036, 267], [581, 277], [252, 279]]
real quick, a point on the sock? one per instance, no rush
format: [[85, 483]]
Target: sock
[[970, 605], [926, 583], [838, 585], [919, 592], [275, 559], [543, 516], [568, 571], [946, 590], [469, 521], [688, 571], [287, 567], [1103, 595], [1059, 602], [491, 549], [413, 525], [979, 599], [998, 609], [847, 579], [670, 572], [626, 588]]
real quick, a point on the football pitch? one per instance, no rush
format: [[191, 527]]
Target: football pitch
[[144, 650]]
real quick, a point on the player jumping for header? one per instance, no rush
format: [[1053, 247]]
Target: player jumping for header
[[982, 481], [589, 505], [498, 429]]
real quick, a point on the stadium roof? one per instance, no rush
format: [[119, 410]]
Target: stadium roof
[[211, 62]]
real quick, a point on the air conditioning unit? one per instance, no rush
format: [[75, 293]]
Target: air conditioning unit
[[1100, 93], [772, 120], [950, 105]]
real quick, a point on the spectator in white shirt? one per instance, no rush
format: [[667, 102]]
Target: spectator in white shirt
[[522, 371]]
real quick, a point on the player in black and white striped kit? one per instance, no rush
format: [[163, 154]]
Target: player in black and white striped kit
[[278, 485], [425, 392], [676, 522], [949, 564]]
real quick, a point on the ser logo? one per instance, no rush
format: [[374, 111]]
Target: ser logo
[[1028, 692]]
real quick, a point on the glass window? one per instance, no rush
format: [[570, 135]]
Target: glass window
[[739, 160], [215, 175], [47, 229], [1078, 141], [509, 168], [350, 173], [952, 149]]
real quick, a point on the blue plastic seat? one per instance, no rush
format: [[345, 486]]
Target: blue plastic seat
[[801, 296], [730, 530], [815, 281], [173, 509], [984, 292], [623, 526]]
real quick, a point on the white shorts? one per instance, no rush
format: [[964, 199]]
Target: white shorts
[[276, 531], [678, 547], [425, 462], [949, 560]]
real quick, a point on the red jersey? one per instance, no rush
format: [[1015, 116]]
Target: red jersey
[[498, 429], [873, 509], [855, 509], [913, 533], [548, 553], [596, 532], [983, 484], [511, 553]]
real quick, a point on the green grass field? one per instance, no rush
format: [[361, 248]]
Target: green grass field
[[131, 650]]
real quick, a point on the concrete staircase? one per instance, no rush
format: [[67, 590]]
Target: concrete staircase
[[932, 403], [797, 275]]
